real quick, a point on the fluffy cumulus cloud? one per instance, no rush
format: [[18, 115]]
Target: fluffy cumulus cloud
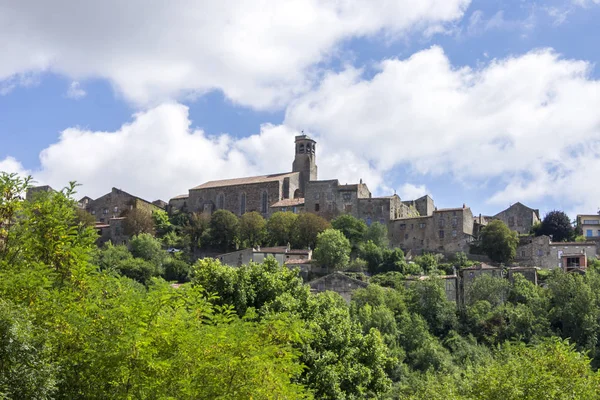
[[160, 155], [529, 121], [12, 166], [259, 53], [412, 191]]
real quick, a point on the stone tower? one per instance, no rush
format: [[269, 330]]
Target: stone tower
[[305, 161]]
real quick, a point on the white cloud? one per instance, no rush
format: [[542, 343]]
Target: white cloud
[[75, 91], [259, 53], [586, 3], [409, 191], [11, 166], [159, 154], [531, 121]]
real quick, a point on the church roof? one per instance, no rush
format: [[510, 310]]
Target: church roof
[[245, 181]]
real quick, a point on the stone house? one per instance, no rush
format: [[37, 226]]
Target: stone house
[[423, 205], [293, 205], [282, 254], [541, 252], [337, 282], [446, 230], [519, 218], [178, 203], [589, 225], [115, 203]]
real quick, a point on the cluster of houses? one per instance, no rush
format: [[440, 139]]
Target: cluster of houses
[[416, 226]]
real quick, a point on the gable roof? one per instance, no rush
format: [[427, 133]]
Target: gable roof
[[245, 181], [338, 274], [519, 204]]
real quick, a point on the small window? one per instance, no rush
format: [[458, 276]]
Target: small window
[[573, 262], [264, 202], [220, 201], [442, 223], [301, 149], [243, 204], [454, 233], [402, 226], [93, 212], [405, 236], [317, 207], [283, 208], [317, 196], [441, 234], [116, 209], [540, 252], [522, 253], [382, 221], [347, 196], [294, 210], [330, 196], [348, 208], [105, 211], [589, 233], [422, 225], [368, 221], [454, 221]]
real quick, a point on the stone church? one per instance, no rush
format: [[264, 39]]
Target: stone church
[[298, 190], [301, 191]]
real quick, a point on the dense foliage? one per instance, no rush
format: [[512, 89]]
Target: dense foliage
[[558, 225], [498, 242], [75, 325]]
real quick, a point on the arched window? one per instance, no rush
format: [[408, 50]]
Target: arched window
[[308, 151], [301, 150], [297, 194], [264, 202], [243, 204], [220, 201]]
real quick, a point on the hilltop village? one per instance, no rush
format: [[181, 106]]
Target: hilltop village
[[416, 226]]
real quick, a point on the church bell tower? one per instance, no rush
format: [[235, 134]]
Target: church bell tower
[[305, 160]]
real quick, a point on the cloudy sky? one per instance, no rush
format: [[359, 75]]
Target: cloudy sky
[[483, 102]]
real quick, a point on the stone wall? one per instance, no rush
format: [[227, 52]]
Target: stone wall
[[114, 204], [205, 200], [424, 205], [519, 218], [540, 252], [178, 203], [448, 230], [339, 283]]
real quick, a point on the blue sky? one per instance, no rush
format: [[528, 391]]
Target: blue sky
[[477, 102]]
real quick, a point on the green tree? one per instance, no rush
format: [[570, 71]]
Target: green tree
[[138, 221], [306, 229], [353, 228], [280, 228], [372, 254], [196, 227], [558, 225], [378, 234], [498, 242], [162, 224], [148, 248], [333, 249], [224, 230], [253, 229]]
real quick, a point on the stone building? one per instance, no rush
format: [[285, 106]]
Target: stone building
[[337, 282], [292, 205], [543, 253], [256, 193], [114, 204], [519, 218], [282, 254], [445, 230], [468, 275]]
